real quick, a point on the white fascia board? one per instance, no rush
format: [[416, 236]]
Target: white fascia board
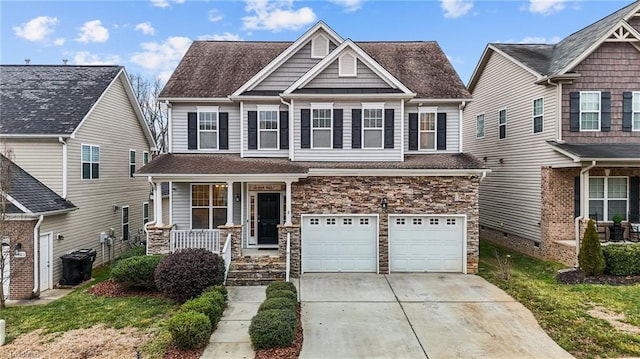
[[287, 54], [348, 96], [479, 67], [395, 172], [128, 87], [25, 135], [18, 204], [333, 56], [571, 155], [254, 98], [195, 99], [235, 177], [439, 100]]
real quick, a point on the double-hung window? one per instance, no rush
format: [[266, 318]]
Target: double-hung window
[[208, 205], [427, 128], [145, 213], [125, 223], [208, 128], [608, 196], [90, 162], [502, 124], [372, 125], [145, 158], [268, 127], [635, 111], [480, 126], [590, 111], [538, 115], [132, 163], [321, 130]]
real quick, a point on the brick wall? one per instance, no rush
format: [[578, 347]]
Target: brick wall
[[21, 269], [405, 195]]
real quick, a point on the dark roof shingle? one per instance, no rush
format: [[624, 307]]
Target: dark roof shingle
[[609, 151]]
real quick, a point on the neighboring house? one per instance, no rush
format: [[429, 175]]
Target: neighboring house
[[352, 150], [78, 130], [559, 126]]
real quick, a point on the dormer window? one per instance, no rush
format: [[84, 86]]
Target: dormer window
[[319, 46], [347, 65]]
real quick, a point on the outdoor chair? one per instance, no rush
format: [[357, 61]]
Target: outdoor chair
[[634, 232], [601, 229]]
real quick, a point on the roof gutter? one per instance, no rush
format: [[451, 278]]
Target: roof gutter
[[401, 172], [26, 135], [346, 95], [196, 99], [557, 78], [36, 271]]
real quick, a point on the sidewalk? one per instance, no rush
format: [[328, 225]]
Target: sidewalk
[[47, 296], [231, 337]]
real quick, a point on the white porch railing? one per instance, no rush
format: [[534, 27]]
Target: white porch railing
[[226, 255], [195, 238], [288, 269]]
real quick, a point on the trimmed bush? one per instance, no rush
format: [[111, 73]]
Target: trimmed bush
[[206, 306], [189, 330], [184, 275], [220, 289], [278, 303], [590, 258], [622, 259], [136, 271], [283, 293], [273, 328], [133, 252], [281, 286], [214, 297]]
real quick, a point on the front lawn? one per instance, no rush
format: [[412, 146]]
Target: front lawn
[[562, 310]]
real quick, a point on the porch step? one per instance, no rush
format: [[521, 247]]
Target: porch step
[[256, 271]]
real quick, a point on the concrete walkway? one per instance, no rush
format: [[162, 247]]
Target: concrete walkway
[[231, 338], [46, 297]]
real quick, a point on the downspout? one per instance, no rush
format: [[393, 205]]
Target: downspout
[[64, 166], [583, 197], [559, 109], [402, 129], [155, 212], [242, 141], [290, 107], [460, 134], [169, 121], [36, 270]]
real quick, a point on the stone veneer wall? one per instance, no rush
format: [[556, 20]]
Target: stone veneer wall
[[21, 269], [295, 247], [236, 239], [405, 195], [158, 238]]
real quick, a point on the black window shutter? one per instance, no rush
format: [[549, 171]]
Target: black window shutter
[[389, 124], [605, 111], [356, 128], [224, 130], [337, 128], [284, 130], [413, 132], [626, 111], [305, 128], [576, 196], [192, 130], [634, 199], [442, 131], [574, 111], [252, 130]]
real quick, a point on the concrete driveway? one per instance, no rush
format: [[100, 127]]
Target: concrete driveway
[[416, 316]]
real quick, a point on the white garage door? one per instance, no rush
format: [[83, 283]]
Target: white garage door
[[339, 243], [424, 243]]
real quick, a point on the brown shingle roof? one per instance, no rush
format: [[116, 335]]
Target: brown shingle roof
[[218, 68]]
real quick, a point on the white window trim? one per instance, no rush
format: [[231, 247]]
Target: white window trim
[[143, 217], [433, 110], [268, 108], [484, 127], [322, 106], [341, 73], [313, 40], [145, 157], [502, 124], [210, 207], [373, 106], [91, 178], [132, 163], [215, 109], [606, 199], [533, 115], [599, 110], [128, 223], [634, 110]]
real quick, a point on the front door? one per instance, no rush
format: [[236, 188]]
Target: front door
[[268, 218], [45, 261]]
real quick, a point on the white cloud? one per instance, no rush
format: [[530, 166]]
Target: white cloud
[[349, 5], [165, 3], [276, 15], [162, 57], [546, 7], [227, 36], [59, 41], [93, 31], [146, 28], [87, 58], [36, 29], [455, 8], [455, 60], [215, 15], [539, 40]]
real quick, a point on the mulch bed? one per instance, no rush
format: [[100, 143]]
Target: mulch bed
[[110, 289], [174, 353], [290, 352], [576, 276]]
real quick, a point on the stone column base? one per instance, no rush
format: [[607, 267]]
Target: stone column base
[[294, 230], [236, 239], [158, 238]]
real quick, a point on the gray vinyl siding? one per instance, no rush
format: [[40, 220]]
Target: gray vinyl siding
[[181, 210], [510, 197], [365, 78], [347, 153], [179, 127], [42, 158], [453, 127], [245, 135]]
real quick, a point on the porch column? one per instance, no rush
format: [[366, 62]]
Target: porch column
[[288, 197], [229, 203], [157, 204]]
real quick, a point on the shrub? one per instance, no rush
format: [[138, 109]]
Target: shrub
[[622, 259], [136, 271], [189, 330], [282, 303], [215, 297], [206, 306], [283, 293], [590, 258], [133, 252], [184, 275], [281, 286], [220, 289], [273, 328]]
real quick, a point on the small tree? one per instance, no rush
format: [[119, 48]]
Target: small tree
[[590, 258]]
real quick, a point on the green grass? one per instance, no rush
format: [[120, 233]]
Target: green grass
[[561, 309], [80, 309]]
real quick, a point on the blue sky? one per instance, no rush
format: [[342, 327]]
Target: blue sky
[[149, 37]]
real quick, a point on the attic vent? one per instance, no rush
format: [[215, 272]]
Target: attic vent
[[347, 66], [319, 46]]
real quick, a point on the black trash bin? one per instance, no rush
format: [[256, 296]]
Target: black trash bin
[[87, 261], [72, 269]]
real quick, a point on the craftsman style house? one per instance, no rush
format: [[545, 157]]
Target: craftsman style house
[[74, 136], [559, 126], [347, 153]]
